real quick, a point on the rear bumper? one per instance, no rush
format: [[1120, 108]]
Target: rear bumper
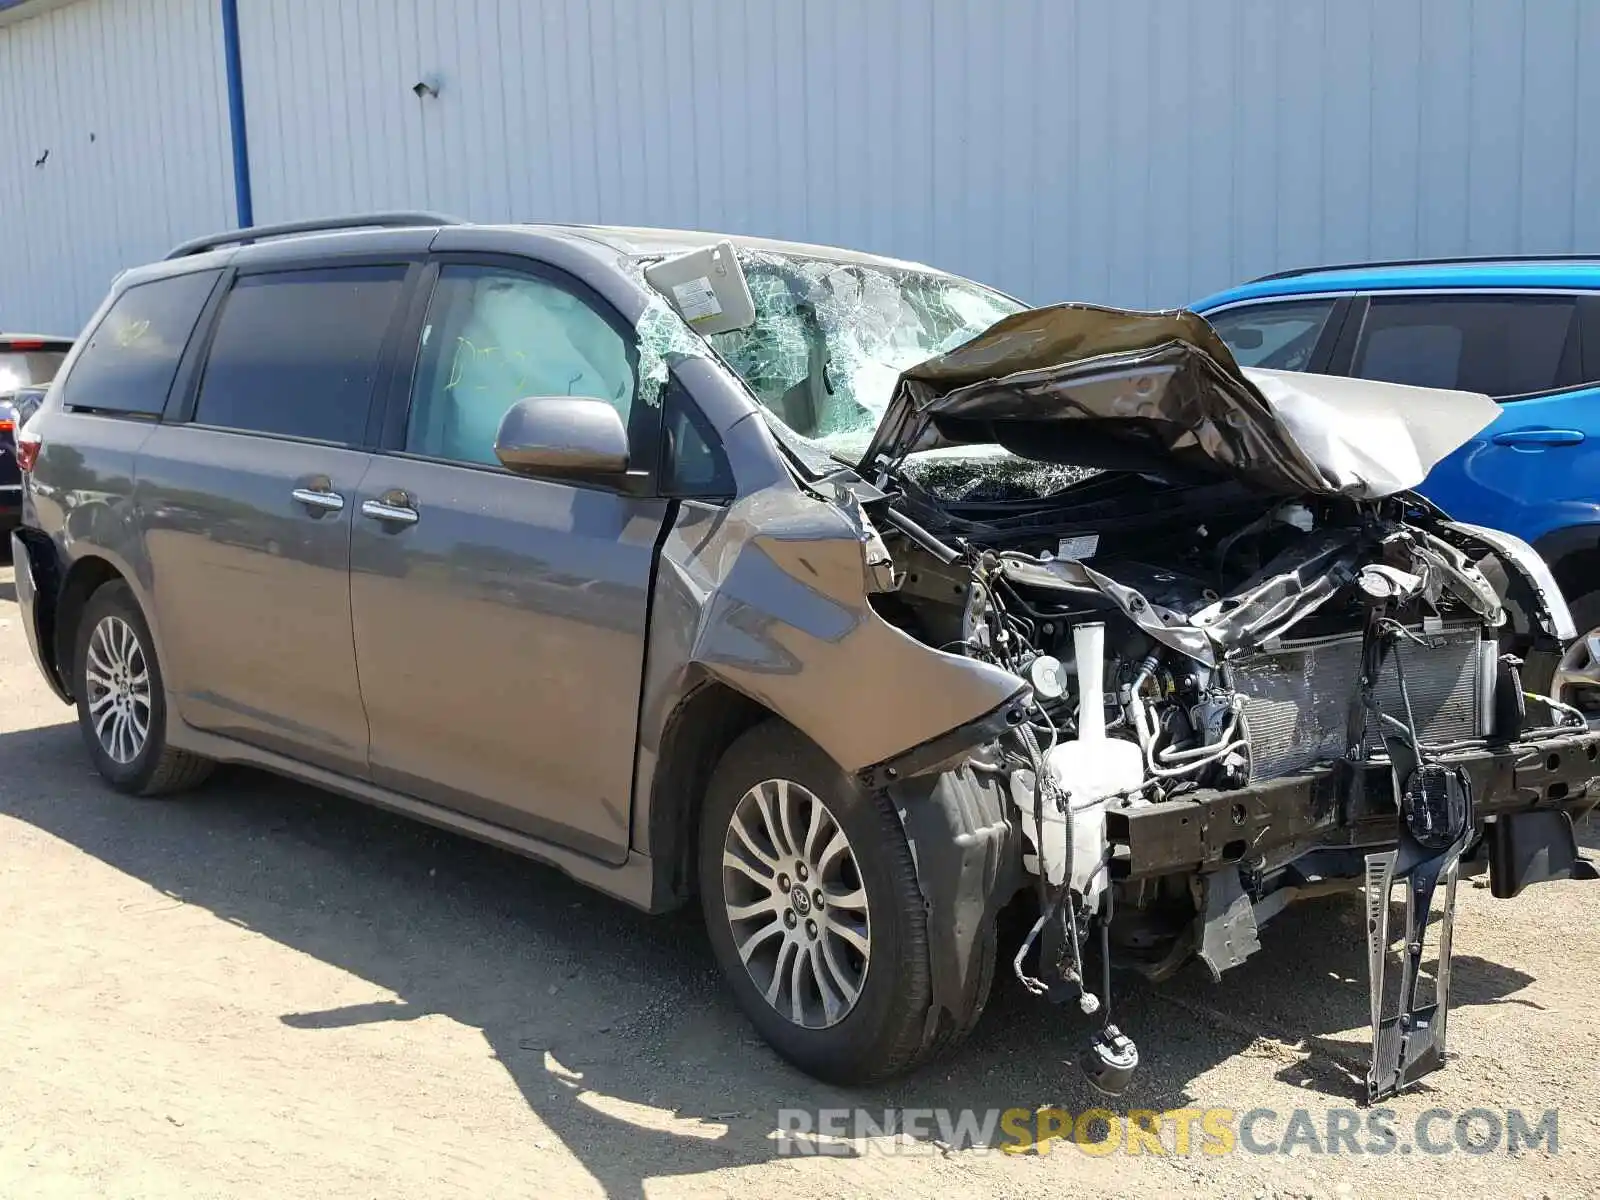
[[1267, 825]]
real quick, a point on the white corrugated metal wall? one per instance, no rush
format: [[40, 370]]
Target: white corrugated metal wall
[[113, 146], [1132, 151], [1135, 151]]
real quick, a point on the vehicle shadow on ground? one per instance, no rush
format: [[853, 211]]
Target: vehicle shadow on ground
[[595, 1009], [1587, 831]]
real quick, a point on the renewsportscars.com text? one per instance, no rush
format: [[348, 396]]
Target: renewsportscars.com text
[[1181, 1131]]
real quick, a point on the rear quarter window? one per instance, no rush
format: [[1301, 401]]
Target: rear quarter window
[[128, 362]]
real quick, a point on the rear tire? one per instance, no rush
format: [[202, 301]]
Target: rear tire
[[122, 708], [797, 824]]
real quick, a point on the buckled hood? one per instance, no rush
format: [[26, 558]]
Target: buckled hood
[[1161, 393]]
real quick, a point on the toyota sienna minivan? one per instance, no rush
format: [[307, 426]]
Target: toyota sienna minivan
[[851, 597]]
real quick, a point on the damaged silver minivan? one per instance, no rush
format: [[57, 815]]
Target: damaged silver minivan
[[851, 596]]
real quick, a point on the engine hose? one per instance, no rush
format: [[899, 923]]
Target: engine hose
[[1555, 705], [1222, 751], [1170, 755], [1208, 754]]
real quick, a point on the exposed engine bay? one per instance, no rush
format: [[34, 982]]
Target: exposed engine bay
[[1213, 610], [1188, 634]]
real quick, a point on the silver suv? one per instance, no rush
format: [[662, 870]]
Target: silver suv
[[850, 595]]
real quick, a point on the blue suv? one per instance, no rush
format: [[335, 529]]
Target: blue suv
[[1523, 330]]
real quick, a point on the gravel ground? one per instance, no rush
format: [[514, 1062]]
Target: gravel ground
[[265, 990]]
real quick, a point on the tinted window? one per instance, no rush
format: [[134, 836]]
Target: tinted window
[[19, 368], [1504, 346], [1280, 336], [128, 363], [493, 337], [296, 353]]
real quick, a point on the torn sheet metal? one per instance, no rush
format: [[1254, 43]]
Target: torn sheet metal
[[1160, 392], [770, 596], [1372, 439]]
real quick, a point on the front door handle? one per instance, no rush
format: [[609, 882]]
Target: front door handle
[[1539, 437], [394, 514], [319, 499]]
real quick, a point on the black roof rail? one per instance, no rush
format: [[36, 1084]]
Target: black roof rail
[[1464, 260], [244, 237]]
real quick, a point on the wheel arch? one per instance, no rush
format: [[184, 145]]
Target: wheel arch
[[83, 579], [1573, 555], [705, 722]]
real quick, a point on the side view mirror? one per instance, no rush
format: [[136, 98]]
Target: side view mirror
[[568, 436], [1247, 338]]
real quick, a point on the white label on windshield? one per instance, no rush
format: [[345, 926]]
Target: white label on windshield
[[1080, 546], [696, 299]]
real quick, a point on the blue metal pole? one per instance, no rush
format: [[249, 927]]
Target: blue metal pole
[[241, 146]]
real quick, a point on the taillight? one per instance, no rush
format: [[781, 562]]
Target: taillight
[[28, 447], [7, 425]]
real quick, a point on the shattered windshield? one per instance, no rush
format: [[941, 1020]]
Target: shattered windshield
[[831, 338]]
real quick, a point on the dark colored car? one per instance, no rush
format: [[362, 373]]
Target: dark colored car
[[844, 593], [27, 361]]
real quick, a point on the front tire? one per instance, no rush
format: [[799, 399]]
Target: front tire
[[122, 708], [813, 909]]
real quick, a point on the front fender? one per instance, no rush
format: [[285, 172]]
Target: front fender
[[769, 596]]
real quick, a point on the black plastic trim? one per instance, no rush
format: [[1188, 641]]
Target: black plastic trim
[[944, 749]]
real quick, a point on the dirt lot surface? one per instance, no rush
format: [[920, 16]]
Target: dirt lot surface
[[265, 990]]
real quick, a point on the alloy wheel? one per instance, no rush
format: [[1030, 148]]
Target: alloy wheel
[[794, 898], [1577, 676], [118, 681]]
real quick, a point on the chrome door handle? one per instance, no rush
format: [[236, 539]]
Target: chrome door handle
[[396, 513], [317, 499]]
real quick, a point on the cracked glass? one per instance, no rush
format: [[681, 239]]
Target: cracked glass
[[831, 338]]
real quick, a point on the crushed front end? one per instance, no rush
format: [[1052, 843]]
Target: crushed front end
[[1260, 668]]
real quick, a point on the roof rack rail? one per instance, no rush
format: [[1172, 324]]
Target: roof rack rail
[[1464, 260], [244, 237]]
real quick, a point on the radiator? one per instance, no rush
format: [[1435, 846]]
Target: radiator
[[1297, 697]]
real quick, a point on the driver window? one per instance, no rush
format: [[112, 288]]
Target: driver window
[[493, 337]]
